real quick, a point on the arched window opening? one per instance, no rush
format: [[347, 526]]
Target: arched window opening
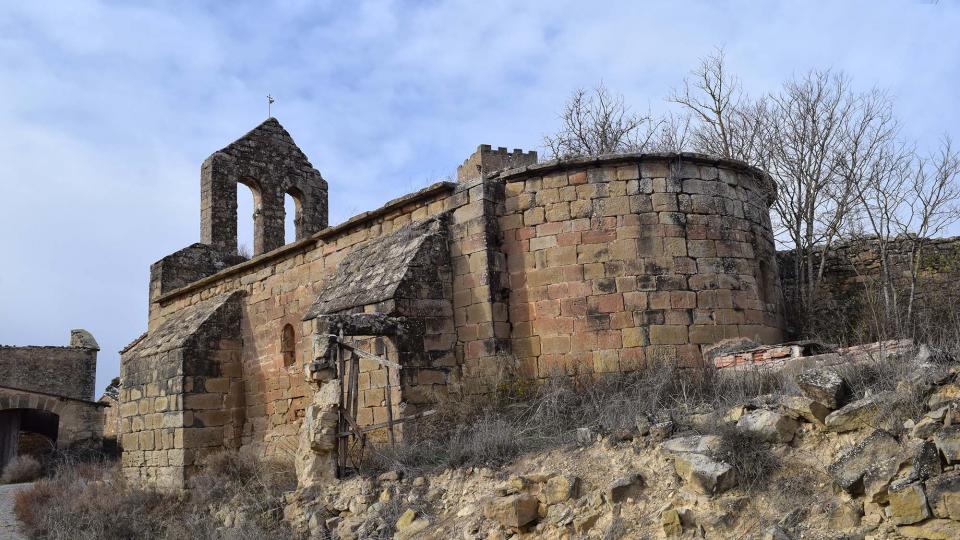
[[292, 216], [27, 432], [248, 206], [288, 346]]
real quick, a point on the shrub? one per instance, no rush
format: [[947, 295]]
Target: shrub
[[493, 430], [92, 501], [751, 458], [21, 469]]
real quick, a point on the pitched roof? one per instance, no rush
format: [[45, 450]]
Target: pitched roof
[[175, 331], [374, 271]]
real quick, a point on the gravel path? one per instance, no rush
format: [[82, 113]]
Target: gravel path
[[9, 526]]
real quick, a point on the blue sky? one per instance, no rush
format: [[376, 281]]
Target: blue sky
[[108, 108]]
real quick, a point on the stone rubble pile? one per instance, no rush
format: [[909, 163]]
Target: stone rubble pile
[[883, 477]]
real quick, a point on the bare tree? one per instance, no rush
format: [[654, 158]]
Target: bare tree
[[726, 122], [598, 122], [935, 192], [673, 134]]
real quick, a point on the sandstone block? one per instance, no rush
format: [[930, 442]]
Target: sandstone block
[[626, 487], [823, 385], [768, 425], [948, 442], [934, 529], [943, 495], [704, 474], [860, 414], [908, 504], [848, 471], [512, 511]]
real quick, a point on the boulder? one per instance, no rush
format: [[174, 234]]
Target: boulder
[[559, 489], [943, 495], [704, 474], [845, 515], [670, 523], [824, 386], [934, 529], [848, 472], [625, 487], [768, 425], [878, 477], [696, 444], [926, 461], [409, 526], [585, 522], [926, 427], [943, 395], [948, 442], [860, 414], [908, 504], [512, 511], [806, 408]]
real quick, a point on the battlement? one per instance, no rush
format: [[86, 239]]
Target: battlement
[[487, 160]]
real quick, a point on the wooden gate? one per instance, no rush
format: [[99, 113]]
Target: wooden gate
[[351, 438]]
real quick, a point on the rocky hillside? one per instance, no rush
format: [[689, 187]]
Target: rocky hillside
[[855, 446]]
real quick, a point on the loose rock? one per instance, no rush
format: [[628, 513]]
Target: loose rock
[[860, 414], [848, 471], [934, 529], [512, 511], [704, 474], [943, 495], [948, 442], [768, 425], [625, 487], [824, 386], [908, 504]]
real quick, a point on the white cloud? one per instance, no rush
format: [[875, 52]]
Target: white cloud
[[108, 108]]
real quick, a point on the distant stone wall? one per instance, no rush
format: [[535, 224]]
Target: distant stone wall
[[66, 371], [852, 276]]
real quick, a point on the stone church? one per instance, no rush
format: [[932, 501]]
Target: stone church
[[574, 267]]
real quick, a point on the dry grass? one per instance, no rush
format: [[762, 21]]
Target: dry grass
[[486, 431], [21, 469], [92, 501]]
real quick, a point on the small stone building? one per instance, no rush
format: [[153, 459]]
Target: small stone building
[[578, 267], [46, 397]]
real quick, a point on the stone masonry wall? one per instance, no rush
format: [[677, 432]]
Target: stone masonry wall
[[280, 287], [852, 281], [66, 371], [583, 266], [623, 263], [79, 421], [182, 396]]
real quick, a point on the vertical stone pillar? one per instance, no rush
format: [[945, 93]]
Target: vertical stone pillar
[[218, 203]]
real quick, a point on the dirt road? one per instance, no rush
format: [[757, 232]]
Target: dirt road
[[9, 527]]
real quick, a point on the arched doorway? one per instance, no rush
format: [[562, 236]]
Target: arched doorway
[[27, 431]]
